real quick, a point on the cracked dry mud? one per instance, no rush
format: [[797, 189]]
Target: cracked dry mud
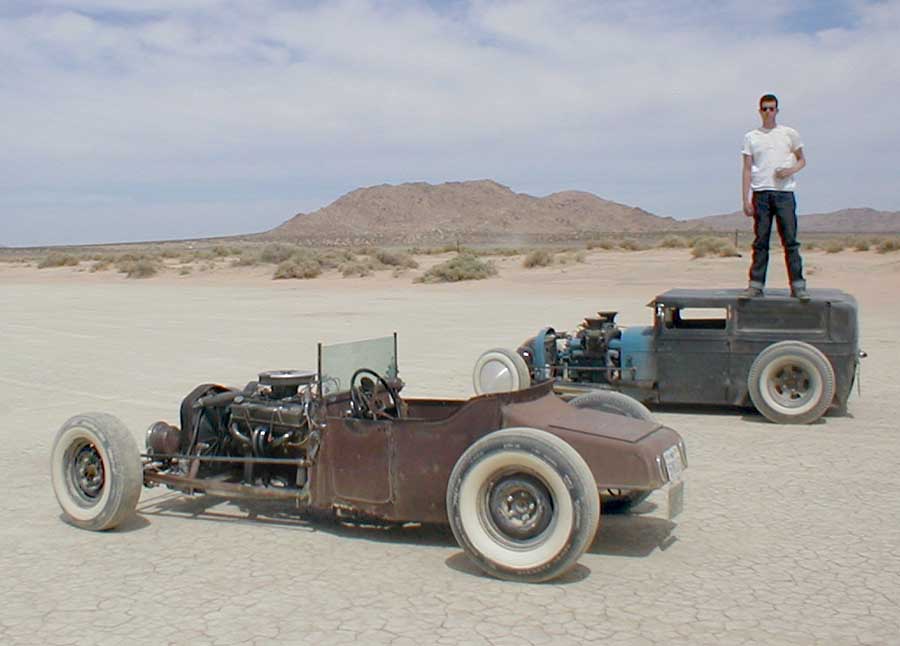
[[791, 535]]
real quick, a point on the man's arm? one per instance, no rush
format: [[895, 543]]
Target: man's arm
[[783, 173], [745, 185]]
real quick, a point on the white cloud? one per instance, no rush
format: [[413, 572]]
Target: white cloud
[[640, 102]]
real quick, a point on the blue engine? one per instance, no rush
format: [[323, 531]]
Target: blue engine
[[597, 352]]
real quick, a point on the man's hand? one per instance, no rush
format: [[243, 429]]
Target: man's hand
[[784, 173], [749, 211]]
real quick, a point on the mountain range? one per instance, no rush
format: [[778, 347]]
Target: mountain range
[[485, 210]]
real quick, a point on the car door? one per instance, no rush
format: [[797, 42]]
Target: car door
[[693, 350], [360, 458]]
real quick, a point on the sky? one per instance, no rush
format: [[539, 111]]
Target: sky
[[168, 119]]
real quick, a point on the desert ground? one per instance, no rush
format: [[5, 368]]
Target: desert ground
[[790, 535]]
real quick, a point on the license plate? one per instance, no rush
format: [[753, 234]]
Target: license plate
[[676, 498], [674, 466]]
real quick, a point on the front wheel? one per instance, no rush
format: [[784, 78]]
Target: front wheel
[[791, 382], [523, 504], [500, 370], [96, 471]]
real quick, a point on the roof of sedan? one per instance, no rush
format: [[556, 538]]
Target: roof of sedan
[[723, 297]]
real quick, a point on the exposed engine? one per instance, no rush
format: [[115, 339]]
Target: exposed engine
[[267, 421], [592, 353]]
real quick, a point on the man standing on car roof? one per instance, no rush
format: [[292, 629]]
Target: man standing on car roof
[[772, 155]]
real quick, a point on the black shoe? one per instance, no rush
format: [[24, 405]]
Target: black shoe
[[800, 294], [750, 292]]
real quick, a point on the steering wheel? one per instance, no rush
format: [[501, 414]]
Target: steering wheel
[[362, 397]]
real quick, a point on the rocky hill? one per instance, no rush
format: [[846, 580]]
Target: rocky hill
[[857, 221], [485, 211], [470, 211]]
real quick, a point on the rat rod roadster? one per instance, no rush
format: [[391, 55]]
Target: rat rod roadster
[[792, 360], [519, 476]]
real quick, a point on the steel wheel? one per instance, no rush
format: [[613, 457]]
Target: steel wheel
[[96, 471], [791, 383], [523, 504]]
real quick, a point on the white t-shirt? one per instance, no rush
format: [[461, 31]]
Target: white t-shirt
[[770, 150]]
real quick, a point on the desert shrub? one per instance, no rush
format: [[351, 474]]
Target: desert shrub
[[395, 259], [356, 268], [184, 271], [57, 259], [728, 250], [276, 252], [601, 243], [102, 265], [632, 245], [169, 253], [538, 258], [570, 257], [673, 242], [331, 258], [889, 245], [223, 251], [834, 246], [861, 244], [458, 268], [141, 268], [811, 245], [298, 266], [246, 259], [711, 246], [504, 252]]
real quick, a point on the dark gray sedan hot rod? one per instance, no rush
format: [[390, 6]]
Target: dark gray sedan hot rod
[[790, 359]]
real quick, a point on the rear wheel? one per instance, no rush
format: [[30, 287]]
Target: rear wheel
[[96, 471], [500, 370], [610, 401], [791, 382], [523, 504]]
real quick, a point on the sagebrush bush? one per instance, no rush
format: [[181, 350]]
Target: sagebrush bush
[[395, 259], [359, 268], [632, 245], [57, 259], [861, 244], [889, 245], [298, 266], [833, 246], [246, 259], [459, 268], [673, 242], [712, 246], [141, 268], [223, 251], [332, 258], [538, 258], [601, 243], [276, 252]]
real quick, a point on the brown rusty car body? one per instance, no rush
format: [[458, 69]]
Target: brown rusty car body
[[341, 441]]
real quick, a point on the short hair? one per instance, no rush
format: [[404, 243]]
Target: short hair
[[768, 97]]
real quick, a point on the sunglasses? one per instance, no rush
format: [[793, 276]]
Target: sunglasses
[[768, 108]]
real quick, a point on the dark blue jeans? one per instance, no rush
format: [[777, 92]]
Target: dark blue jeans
[[782, 207]]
